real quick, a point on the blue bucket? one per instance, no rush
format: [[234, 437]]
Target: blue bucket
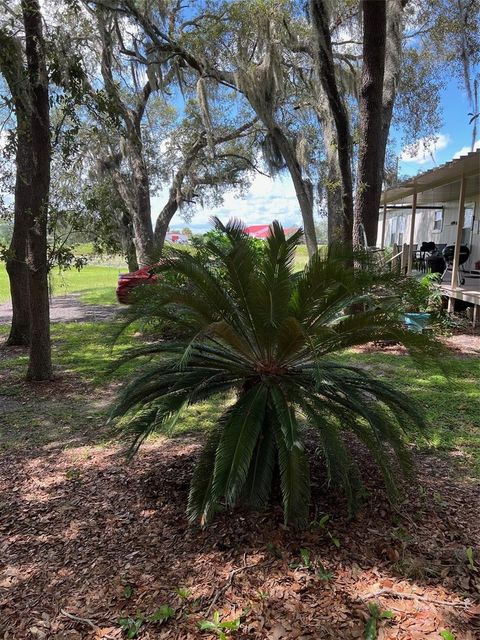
[[417, 321]]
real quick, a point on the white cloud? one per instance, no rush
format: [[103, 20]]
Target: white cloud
[[424, 150], [464, 150], [3, 139], [266, 200]]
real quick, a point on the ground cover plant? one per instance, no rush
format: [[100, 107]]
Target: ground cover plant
[[254, 331]]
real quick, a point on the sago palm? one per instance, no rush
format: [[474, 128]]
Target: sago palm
[[262, 340]]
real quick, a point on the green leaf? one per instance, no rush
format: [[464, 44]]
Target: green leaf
[[335, 540], [323, 521], [294, 481], [241, 425], [387, 615], [207, 625], [131, 626], [323, 574], [286, 417], [258, 485], [305, 556], [469, 554], [370, 630], [201, 503], [128, 591], [232, 625], [163, 613], [183, 592], [447, 635]]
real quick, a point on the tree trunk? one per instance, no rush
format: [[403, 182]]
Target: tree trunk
[[370, 156], [175, 192], [142, 218], [16, 263], [326, 72], [12, 67], [138, 201], [303, 189], [335, 228], [126, 240], [393, 60], [40, 365], [333, 188], [163, 222]]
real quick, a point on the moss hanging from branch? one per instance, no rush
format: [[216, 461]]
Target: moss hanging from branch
[[202, 98], [272, 155]]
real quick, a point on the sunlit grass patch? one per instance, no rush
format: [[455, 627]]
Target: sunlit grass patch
[[95, 284], [451, 402]]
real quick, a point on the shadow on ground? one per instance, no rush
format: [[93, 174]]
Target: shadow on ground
[[87, 534]]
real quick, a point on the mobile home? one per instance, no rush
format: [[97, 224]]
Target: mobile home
[[440, 206]]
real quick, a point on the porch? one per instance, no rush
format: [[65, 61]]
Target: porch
[[469, 292], [438, 208]]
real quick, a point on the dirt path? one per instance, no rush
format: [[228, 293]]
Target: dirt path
[[67, 309]]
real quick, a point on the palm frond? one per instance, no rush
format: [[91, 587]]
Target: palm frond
[[241, 426], [258, 485], [202, 504], [294, 480]]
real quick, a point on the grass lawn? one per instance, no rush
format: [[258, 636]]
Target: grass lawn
[[85, 352], [451, 404], [96, 284]]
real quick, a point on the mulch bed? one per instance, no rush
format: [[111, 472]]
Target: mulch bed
[[86, 539]]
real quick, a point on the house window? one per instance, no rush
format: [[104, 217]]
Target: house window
[[468, 224], [467, 230], [438, 220], [401, 229], [393, 230]]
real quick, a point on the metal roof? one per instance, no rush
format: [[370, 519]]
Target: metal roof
[[445, 174]]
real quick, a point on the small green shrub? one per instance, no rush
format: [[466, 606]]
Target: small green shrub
[[376, 614], [220, 628]]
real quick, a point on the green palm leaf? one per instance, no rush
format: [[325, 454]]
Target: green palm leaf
[[241, 428], [294, 480]]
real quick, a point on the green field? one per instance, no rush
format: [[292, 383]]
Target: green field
[[95, 284]]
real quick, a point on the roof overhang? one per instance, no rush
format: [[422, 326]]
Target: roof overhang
[[440, 179]]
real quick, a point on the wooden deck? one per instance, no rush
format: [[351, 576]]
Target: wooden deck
[[468, 292]]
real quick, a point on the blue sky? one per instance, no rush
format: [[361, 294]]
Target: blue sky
[[275, 199], [454, 137]]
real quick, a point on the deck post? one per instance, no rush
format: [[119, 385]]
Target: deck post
[[458, 241], [412, 234], [384, 224], [404, 260]]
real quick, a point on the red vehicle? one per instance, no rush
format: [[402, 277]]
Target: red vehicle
[[128, 281]]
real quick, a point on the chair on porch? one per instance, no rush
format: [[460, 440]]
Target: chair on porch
[[426, 249]]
